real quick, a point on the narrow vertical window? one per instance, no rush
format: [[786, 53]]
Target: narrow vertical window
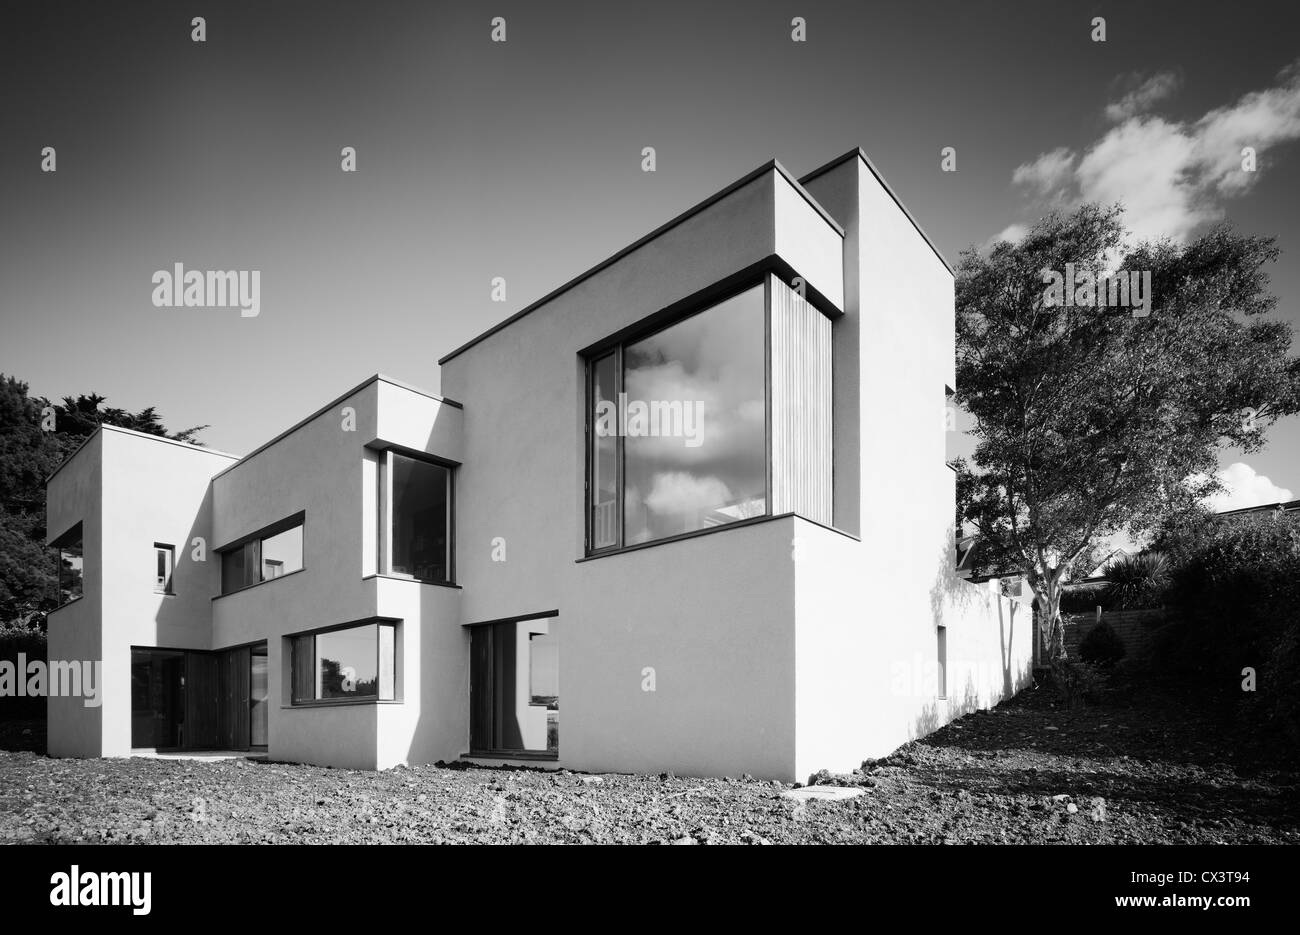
[[164, 563], [68, 548], [604, 453], [942, 653]]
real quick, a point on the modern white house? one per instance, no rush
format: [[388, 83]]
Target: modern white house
[[688, 512]]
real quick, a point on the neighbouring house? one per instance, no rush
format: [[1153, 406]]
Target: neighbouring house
[[688, 512], [1101, 570], [1289, 509]]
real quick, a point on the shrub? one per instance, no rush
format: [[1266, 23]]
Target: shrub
[[15, 638], [1236, 594], [1137, 581], [1101, 646], [1078, 682], [1083, 598]]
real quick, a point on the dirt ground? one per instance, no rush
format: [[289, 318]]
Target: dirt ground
[[1029, 771]]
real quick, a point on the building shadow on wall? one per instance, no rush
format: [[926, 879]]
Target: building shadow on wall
[[174, 616], [959, 605]]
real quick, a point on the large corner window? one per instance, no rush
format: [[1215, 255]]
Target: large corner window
[[677, 427], [273, 553], [68, 549], [415, 497], [354, 663]]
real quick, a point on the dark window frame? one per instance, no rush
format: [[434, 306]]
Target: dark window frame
[[652, 325], [167, 586], [378, 697], [941, 655], [490, 627], [384, 513], [293, 521], [75, 535]]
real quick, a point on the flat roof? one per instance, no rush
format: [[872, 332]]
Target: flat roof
[[1285, 506], [857, 151], [376, 378], [769, 166], [103, 426]]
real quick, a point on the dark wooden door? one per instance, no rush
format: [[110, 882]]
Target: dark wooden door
[[480, 689], [235, 667], [202, 728]]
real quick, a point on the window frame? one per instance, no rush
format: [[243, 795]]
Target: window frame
[[166, 586], [941, 657], [384, 514], [293, 521], [75, 535], [615, 344], [378, 698]]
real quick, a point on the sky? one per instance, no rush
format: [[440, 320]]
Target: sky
[[522, 160]]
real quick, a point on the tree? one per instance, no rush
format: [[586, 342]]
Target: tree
[[79, 417], [1090, 420], [28, 455]]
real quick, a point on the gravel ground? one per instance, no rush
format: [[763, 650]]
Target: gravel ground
[[1030, 771]]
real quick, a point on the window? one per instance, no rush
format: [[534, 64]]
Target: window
[[515, 687], [259, 695], [354, 663], [164, 563], [68, 547], [157, 698], [677, 428], [273, 553], [415, 495], [943, 662]]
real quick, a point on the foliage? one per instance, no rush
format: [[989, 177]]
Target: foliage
[[1084, 598], [28, 455], [1236, 595], [1078, 683], [28, 639], [1137, 581], [1089, 421], [1101, 646]]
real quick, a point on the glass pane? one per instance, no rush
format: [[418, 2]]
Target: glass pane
[[304, 669], [163, 568], [695, 429], [420, 519], [70, 562], [347, 663], [387, 653], [282, 554], [258, 698], [525, 686], [157, 698], [234, 574], [232, 569], [604, 455]]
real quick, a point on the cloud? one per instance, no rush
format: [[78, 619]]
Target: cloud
[[1245, 488], [677, 492], [1012, 232], [1143, 93], [1047, 175], [1172, 176]]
